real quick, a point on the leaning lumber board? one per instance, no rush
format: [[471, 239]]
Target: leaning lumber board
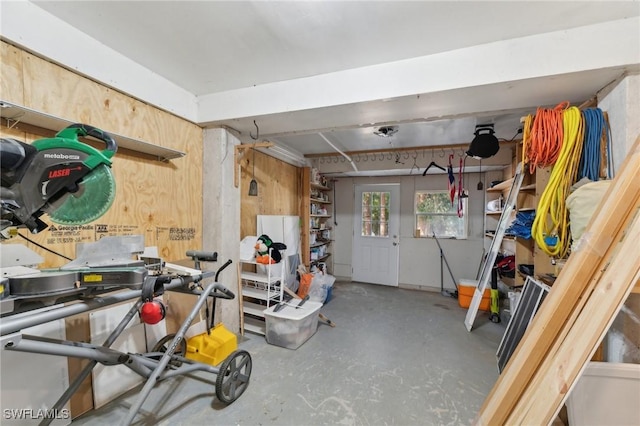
[[557, 376], [578, 308], [568, 288]]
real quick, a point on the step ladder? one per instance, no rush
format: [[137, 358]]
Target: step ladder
[[490, 259]]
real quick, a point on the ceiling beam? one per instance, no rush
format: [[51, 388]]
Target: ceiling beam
[[444, 148], [506, 61]]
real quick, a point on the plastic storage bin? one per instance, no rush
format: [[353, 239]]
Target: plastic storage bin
[[291, 327], [466, 288], [606, 394]]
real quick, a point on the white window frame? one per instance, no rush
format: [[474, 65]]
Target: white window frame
[[464, 218]]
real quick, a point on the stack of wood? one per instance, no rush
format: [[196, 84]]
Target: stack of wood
[[582, 304]]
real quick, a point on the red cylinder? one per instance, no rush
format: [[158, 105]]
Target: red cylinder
[[152, 312]]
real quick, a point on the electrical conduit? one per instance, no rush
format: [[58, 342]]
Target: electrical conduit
[[342, 153]]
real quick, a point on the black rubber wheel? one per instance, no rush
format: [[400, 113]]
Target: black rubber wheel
[[163, 346], [233, 377]]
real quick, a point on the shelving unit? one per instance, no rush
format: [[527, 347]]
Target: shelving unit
[[30, 120], [316, 227], [542, 262], [525, 251], [258, 291]]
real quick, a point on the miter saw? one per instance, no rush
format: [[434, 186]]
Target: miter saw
[[68, 179], [72, 182]]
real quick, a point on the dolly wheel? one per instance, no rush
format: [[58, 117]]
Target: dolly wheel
[[163, 346], [233, 377]]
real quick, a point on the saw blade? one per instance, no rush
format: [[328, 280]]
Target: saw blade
[[96, 193]]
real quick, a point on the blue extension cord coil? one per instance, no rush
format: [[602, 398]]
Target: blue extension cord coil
[[591, 150]]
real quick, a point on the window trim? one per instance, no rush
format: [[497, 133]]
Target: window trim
[[465, 216]]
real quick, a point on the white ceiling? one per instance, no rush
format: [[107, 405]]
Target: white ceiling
[[214, 46], [224, 50]]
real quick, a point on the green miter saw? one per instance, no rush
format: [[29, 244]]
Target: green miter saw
[[61, 176]]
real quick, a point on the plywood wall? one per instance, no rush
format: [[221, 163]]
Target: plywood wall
[[278, 190], [162, 201]]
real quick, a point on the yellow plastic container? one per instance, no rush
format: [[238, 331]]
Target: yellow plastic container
[[212, 348]]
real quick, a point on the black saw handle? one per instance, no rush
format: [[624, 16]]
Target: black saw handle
[[94, 132]]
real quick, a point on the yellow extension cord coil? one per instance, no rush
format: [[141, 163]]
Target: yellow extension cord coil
[[552, 219]]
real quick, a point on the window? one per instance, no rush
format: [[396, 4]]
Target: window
[[435, 214], [375, 214]]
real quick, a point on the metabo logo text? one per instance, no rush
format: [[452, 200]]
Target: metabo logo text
[[57, 156]]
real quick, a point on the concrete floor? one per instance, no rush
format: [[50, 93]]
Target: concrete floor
[[396, 357]]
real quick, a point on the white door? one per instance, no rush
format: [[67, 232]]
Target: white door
[[376, 234]]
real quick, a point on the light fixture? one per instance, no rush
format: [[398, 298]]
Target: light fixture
[[286, 154], [253, 185], [484, 144], [386, 131]]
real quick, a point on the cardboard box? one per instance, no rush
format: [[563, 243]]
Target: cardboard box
[[466, 289], [291, 327]]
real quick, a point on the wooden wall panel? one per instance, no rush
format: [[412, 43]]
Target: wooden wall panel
[[11, 86], [78, 330], [162, 201], [278, 190], [541, 260]]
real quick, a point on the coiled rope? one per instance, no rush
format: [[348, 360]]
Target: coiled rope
[[593, 163], [550, 227], [546, 137]]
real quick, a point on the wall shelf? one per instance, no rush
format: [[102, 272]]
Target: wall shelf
[[29, 120], [315, 185], [316, 200], [316, 219], [319, 244], [501, 186], [320, 259]]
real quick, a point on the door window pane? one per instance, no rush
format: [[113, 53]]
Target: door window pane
[[375, 214]]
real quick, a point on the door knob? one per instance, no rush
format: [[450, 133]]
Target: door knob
[[395, 244]]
